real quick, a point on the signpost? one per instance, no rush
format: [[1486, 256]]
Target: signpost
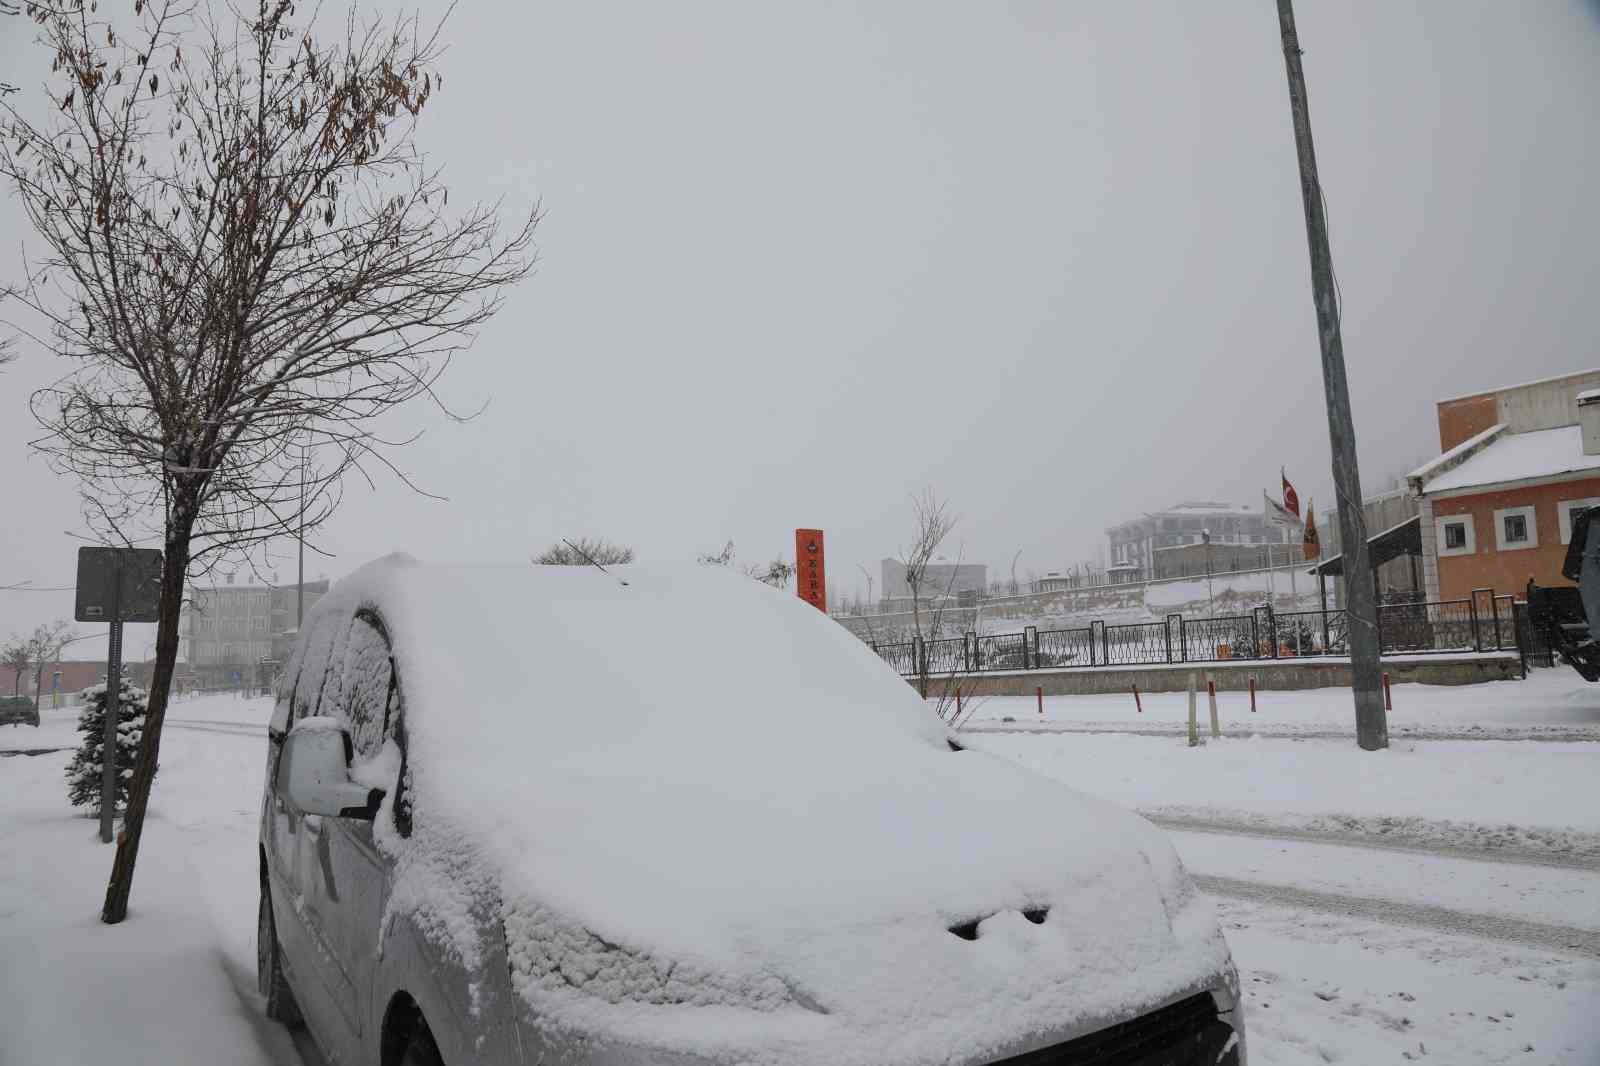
[[115, 585], [811, 580]]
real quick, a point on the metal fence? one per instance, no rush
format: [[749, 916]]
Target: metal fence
[[1480, 622]]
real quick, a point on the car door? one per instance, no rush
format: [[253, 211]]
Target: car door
[[344, 882], [281, 827], [331, 1003]]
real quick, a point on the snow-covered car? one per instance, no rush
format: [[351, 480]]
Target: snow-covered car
[[671, 816]]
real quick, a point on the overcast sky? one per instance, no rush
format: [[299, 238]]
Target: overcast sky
[[801, 260]]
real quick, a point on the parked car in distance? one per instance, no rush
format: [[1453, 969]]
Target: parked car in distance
[[670, 815]]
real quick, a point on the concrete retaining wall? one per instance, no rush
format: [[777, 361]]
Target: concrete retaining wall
[[1270, 675]]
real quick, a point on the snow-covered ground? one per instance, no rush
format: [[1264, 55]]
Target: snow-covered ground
[[1350, 952], [175, 982]]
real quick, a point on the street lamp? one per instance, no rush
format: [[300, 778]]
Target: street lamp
[[1211, 607]]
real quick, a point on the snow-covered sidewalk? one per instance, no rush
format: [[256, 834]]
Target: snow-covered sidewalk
[[1464, 793], [175, 983], [1554, 703], [1491, 792]]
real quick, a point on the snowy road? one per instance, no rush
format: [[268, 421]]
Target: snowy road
[[1584, 856], [1557, 938], [1538, 894], [218, 725]]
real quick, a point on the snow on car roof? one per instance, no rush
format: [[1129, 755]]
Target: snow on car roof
[[694, 789], [1518, 456]]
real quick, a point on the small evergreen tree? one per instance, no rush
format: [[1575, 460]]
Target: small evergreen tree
[[83, 772]]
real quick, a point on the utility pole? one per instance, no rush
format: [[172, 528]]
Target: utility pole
[[1372, 731]]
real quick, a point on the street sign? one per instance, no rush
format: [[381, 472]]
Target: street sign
[[98, 568], [115, 585], [811, 580]]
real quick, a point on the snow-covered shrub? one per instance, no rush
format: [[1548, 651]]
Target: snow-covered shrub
[[83, 772]]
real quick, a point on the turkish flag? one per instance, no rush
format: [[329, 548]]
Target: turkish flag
[[1291, 498]]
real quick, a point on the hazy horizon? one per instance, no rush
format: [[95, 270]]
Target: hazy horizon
[[1050, 260]]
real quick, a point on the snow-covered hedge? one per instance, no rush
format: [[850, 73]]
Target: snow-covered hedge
[[83, 772]]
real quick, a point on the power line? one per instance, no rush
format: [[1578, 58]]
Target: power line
[[24, 586]]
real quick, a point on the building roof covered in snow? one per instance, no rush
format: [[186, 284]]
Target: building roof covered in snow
[[1209, 507], [1511, 457]]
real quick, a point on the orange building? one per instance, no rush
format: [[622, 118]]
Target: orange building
[[1497, 506]]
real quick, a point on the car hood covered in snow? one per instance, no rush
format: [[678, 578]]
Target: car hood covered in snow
[[716, 824]]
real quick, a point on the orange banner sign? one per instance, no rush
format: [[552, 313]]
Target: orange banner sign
[[809, 572]]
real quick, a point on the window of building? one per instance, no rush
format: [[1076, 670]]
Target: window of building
[[1566, 510], [1455, 535], [1515, 529]]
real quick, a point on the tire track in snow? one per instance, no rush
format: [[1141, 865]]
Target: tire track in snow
[[1558, 938], [1511, 856], [217, 725]]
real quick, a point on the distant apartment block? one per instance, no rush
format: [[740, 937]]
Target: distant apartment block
[[227, 631], [942, 577], [1134, 543]]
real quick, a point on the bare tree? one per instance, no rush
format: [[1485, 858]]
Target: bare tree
[[585, 551], [44, 647], [721, 558], [247, 260], [933, 524], [18, 658], [8, 7], [776, 573]]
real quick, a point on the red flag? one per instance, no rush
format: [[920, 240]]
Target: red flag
[[1291, 499], [1313, 543]]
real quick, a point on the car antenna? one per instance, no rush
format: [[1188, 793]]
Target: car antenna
[[591, 561]]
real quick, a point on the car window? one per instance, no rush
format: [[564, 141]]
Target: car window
[[308, 682], [367, 683]]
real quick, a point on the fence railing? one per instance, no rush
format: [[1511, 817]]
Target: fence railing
[[1480, 622]]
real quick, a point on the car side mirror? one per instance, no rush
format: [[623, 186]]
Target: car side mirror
[[314, 773]]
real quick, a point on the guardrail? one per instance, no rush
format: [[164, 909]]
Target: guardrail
[[1479, 622]]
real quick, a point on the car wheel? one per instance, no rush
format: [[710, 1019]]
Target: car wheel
[[281, 1006], [420, 1049]]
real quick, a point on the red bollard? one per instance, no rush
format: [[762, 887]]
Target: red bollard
[[1388, 696], [1252, 695], [1039, 692], [1138, 705]]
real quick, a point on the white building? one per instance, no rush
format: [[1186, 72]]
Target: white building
[[226, 631]]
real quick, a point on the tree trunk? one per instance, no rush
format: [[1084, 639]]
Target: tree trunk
[[174, 566]]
